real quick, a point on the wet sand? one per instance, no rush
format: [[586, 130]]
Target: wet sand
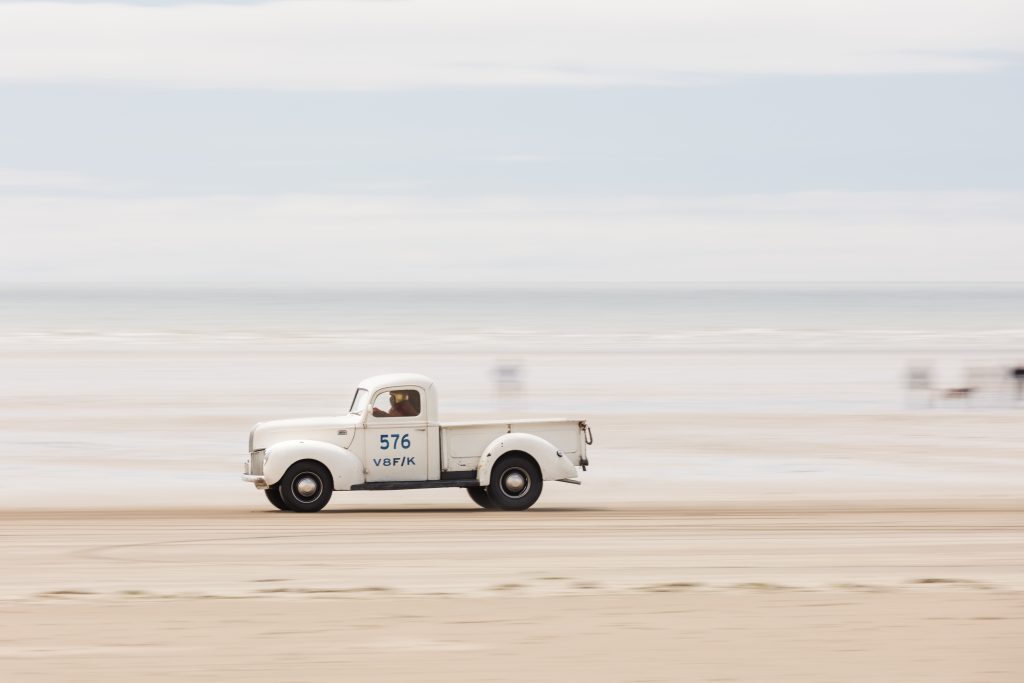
[[707, 592]]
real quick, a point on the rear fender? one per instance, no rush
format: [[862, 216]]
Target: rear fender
[[346, 469], [552, 465]]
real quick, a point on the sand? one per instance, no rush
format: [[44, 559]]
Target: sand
[[719, 543], [680, 636], [595, 593]]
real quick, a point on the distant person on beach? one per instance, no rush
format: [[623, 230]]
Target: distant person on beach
[[919, 383], [508, 377], [1017, 374]]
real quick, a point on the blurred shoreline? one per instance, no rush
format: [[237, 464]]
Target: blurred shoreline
[[124, 398]]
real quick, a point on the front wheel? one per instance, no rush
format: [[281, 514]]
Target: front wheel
[[479, 496], [274, 496], [515, 483], [306, 487]]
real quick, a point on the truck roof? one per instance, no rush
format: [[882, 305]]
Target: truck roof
[[396, 379]]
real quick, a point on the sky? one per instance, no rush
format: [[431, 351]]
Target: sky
[[307, 142]]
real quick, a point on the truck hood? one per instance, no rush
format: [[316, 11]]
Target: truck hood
[[266, 434]]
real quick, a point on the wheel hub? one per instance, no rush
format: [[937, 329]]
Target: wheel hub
[[307, 486], [515, 483]]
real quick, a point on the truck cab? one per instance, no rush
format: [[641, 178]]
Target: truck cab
[[391, 438]]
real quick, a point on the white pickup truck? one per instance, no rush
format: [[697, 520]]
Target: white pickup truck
[[391, 439]]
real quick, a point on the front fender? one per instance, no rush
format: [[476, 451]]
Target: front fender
[[552, 465], [346, 469]]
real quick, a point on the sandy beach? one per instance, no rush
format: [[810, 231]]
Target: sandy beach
[[747, 517], [654, 593], [739, 636]]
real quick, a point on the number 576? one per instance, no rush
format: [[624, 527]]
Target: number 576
[[394, 441]]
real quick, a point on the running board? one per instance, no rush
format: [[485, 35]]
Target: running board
[[397, 485]]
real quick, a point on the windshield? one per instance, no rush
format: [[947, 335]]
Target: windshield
[[359, 401]]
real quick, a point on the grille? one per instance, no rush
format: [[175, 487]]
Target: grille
[[256, 462]]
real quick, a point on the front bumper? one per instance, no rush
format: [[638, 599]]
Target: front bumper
[[258, 479]]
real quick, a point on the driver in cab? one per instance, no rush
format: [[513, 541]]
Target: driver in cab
[[403, 404]]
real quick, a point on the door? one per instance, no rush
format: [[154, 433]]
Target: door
[[396, 436]]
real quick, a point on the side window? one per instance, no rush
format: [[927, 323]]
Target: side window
[[397, 403]]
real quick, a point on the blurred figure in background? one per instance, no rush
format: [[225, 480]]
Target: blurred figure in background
[[1017, 373], [919, 386], [508, 377]]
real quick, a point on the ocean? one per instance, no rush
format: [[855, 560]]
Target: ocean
[[556, 348], [569, 318]]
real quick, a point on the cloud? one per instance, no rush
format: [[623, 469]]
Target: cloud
[[19, 180], [315, 44], [332, 240]]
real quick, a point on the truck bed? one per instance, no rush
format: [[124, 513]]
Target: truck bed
[[463, 442]]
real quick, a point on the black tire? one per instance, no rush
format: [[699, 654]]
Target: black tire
[[502, 491], [274, 496], [479, 496], [295, 487]]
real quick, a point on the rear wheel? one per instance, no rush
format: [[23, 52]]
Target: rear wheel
[[306, 487], [480, 497], [274, 496], [515, 483]]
